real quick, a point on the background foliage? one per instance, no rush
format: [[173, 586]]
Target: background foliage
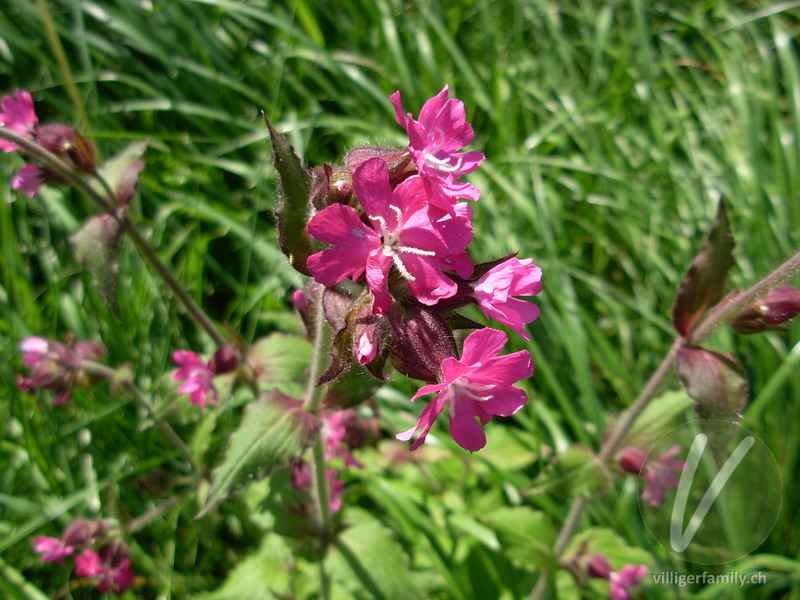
[[610, 130]]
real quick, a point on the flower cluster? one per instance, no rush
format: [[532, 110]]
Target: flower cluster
[[109, 568], [393, 223], [58, 367], [18, 116]]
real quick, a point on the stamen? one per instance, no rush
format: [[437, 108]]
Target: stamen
[[382, 221], [399, 214], [417, 251], [443, 164], [400, 266]]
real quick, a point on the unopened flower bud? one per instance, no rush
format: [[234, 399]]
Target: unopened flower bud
[[421, 341], [632, 460], [598, 566], [83, 532], [400, 162], [69, 145], [225, 360], [301, 476], [779, 306]]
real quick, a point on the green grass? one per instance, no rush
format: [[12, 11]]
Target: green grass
[[610, 131]]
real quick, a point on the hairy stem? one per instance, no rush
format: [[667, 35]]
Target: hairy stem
[[108, 203], [715, 317]]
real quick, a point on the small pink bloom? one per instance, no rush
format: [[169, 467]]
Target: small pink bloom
[[111, 567], [335, 435], [28, 181], [366, 350], [197, 377], [34, 350], [661, 474], [441, 131], [496, 289], [52, 549], [624, 580], [400, 234], [18, 116], [475, 388]]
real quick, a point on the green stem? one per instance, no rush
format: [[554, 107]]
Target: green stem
[[109, 205], [63, 63], [715, 317], [109, 373]]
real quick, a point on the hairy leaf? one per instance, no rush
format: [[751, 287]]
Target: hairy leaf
[[294, 191], [274, 431], [96, 246], [704, 283]]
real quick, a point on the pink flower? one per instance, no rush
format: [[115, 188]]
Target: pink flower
[[28, 181], [496, 289], [52, 549], [400, 233], [197, 376], [476, 387], [111, 567], [18, 116], [442, 129], [57, 367], [366, 349], [661, 474], [658, 474], [624, 580]]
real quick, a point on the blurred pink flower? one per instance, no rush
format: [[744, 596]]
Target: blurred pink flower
[[18, 116], [662, 473], [441, 131], [57, 367], [478, 386], [624, 580], [196, 375], [111, 566], [52, 549], [28, 180], [496, 289], [400, 234]]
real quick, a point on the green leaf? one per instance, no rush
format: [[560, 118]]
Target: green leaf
[[280, 361], [96, 246], [526, 536], [599, 540], [576, 472], [368, 558], [122, 170], [704, 282], [293, 207], [274, 430], [657, 419], [262, 575], [716, 383]]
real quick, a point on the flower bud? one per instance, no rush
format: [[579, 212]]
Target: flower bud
[[779, 306], [399, 161], [69, 145], [598, 566], [421, 341], [225, 360], [83, 532], [632, 460]]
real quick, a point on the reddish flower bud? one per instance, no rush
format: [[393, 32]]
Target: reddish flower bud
[[83, 532], [400, 164], [225, 360], [69, 145], [632, 460], [779, 306], [598, 566], [421, 341]]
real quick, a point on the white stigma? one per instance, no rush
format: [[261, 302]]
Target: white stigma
[[391, 247]]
